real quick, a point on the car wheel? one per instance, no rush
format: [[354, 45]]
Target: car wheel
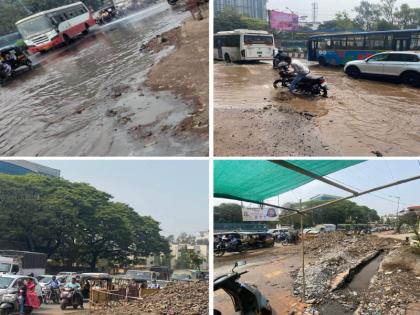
[[227, 58], [353, 71], [411, 78]]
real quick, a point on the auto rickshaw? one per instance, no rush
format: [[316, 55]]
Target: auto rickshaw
[[97, 281], [13, 61]]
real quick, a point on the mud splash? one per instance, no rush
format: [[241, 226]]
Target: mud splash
[[65, 106]]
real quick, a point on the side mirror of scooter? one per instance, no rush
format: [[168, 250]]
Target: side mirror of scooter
[[239, 264]]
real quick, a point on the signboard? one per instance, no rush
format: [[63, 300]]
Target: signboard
[[260, 214], [283, 21]]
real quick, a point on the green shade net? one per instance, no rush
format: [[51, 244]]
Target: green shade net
[[257, 180]]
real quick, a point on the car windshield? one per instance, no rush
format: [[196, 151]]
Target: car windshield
[[143, 275], [35, 26], [258, 39], [5, 282], [5, 267]]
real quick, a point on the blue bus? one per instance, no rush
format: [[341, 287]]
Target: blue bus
[[337, 49]]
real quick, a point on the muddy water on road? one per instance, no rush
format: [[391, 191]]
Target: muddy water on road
[[360, 116], [89, 98]]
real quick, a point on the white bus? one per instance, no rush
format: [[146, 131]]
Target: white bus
[[241, 45], [47, 29]]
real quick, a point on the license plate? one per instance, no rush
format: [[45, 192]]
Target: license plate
[[259, 52]]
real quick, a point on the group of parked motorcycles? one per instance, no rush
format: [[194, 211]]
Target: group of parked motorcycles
[[310, 85]]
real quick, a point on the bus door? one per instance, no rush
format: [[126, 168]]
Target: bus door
[[312, 49], [219, 47]]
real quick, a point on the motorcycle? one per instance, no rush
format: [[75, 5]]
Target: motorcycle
[[70, 297], [246, 298], [9, 304], [51, 295], [222, 247], [311, 84]]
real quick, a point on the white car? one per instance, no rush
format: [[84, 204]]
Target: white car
[[8, 282], [404, 65]]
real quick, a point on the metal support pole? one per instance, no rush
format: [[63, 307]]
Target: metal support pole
[[303, 253]]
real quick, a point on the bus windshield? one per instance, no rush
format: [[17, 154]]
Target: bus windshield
[[258, 39], [35, 26]]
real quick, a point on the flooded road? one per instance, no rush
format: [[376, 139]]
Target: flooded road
[[269, 271], [360, 118], [90, 98]]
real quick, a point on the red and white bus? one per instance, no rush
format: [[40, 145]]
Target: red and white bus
[[47, 29]]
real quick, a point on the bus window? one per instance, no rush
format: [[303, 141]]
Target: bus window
[[338, 42], [258, 39], [355, 42], [325, 43], [375, 42], [415, 42], [232, 41]]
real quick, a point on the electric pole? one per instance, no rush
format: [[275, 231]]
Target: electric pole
[[314, 12]]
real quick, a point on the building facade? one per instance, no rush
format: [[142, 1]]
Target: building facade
[[256, 9], [25, 167]]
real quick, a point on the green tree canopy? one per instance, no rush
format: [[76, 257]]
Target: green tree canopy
[[228, 213], [73, 222]]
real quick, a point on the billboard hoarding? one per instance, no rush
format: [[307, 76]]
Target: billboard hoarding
[[283, 21], [260, 214]]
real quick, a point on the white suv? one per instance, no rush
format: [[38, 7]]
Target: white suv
[[404, 65]]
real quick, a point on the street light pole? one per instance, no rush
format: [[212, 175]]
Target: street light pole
[[398, 209]]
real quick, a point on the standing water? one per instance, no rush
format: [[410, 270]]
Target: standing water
[[67, 106]]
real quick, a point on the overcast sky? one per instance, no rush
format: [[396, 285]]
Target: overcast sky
[[174, 193], [364, 176], [326, 8]]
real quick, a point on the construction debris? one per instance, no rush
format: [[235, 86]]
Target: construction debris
[[189, 298]]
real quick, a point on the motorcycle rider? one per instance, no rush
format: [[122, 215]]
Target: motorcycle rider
[[74, 285], [54, 284], [299, 69]]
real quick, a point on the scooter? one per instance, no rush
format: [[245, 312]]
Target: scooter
[[70, 297], [247, 299], [9, 304], [311, 84]]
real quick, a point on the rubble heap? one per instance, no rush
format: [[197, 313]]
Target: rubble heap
[[189, 298]]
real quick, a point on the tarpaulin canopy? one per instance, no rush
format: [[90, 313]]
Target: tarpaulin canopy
[[258, 180]]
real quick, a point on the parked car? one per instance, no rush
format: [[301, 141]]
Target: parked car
[[401, 65]]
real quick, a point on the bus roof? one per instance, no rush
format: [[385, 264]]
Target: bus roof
[[365, 33], [48, 11], [242, 31]]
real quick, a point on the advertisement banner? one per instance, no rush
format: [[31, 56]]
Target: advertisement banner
[[283, 21], [260, 214]]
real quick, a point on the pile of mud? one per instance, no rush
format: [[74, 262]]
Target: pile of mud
[[177, 298], [332, 254]]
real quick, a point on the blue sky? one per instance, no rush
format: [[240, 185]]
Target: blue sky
[[173, 192], [364, 176], [326, 8]]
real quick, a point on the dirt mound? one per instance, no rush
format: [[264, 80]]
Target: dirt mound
[[177, 298]]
